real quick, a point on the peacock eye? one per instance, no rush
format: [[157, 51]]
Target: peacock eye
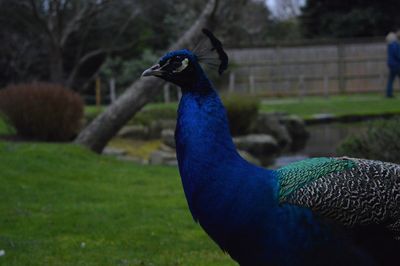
[[176, 64]]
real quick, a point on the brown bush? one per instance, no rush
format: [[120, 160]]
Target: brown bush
[[42, 111]]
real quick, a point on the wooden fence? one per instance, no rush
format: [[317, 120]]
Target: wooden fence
[[309, 70]]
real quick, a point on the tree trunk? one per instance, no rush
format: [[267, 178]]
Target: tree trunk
[[56, 65], [96, 135]]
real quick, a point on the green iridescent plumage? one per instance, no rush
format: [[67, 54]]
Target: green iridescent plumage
[[296, 175]]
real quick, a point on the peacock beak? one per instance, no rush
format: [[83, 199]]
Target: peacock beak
[[153, 71]]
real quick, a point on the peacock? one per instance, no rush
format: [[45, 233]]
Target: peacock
[[319, 211]]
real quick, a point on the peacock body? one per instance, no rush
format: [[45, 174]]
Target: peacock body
[[321, 211]]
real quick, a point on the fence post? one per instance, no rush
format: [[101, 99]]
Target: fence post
[[381, 82], [326, 86], [113, 96], [341, 68], [288, 87], [98, 92], [251, 83], [179, 93], [166, 89], [231, 82], [278, 69], [301, 88]]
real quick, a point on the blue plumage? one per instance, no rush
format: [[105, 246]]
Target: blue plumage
[[239, 204]]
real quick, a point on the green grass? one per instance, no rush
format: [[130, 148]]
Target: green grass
[[55, 197], [91, 111], [339, 105], [336, 105], [5, 128], [162, 106]]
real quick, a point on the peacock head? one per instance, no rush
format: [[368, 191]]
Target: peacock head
[[180, 67], [183, 67]]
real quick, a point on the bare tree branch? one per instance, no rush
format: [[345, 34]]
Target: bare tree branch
[[72, 25], [81, 61], [85, 14], [41, 21], [65, 5], [133, 15], [109, 50], [92, 54]]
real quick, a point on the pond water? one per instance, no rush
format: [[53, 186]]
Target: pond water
[[323, 141]]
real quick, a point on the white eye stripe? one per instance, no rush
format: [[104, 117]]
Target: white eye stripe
[[184, 64]]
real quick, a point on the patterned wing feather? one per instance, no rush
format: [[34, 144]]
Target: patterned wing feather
[[367, 192], [296, 175]]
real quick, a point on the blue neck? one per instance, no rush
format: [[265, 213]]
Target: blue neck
[[214, 175], [203, 140]]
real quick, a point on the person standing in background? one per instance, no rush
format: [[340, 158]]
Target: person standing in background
[[393, 61]]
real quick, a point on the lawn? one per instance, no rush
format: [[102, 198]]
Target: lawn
[[5, 129], [63, 205], [339, 105]]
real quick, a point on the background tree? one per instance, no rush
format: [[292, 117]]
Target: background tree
[[244, 24], [287, 9], [251, 23], [342, 18], [61, 37], [66, 41], [124, 71]]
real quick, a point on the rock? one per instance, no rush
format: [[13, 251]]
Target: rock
[[157, 126], [160, 157], [323, 116], [297, 130], [168, 137], [296, 126], [259, 145], [271, 124], [248, 157], [134, 132], [166, 148], [133, 159], [114, 151]]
